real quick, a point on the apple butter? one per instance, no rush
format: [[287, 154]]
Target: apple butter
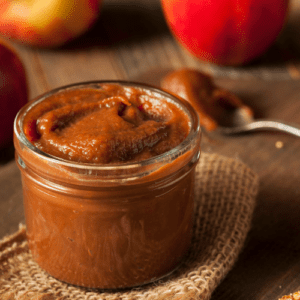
[[108, 182], [200, 90]]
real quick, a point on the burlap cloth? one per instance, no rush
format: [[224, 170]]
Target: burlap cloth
[[225, 199]]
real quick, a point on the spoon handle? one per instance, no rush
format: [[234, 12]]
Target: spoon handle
[[263, 125]]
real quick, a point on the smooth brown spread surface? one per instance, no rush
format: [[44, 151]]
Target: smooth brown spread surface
[[109, 125]]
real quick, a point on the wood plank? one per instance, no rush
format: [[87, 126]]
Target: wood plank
[[11, 205]]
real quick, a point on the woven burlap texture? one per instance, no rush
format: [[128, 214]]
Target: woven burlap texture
[[224, 204]]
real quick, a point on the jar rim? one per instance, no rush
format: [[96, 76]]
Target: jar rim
[[173, 153]]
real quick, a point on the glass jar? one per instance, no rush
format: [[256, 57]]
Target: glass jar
[[109, 226]]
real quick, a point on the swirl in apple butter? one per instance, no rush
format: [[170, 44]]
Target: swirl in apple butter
[[104, 126]]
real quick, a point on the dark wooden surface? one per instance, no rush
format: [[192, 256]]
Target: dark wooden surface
[[131, 41]]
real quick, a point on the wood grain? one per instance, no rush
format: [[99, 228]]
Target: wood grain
[[131, 41]]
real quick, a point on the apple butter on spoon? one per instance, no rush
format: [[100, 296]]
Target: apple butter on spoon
[[219, 109], [209, 100]]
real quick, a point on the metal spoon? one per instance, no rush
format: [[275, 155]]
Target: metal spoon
[[238, 121]]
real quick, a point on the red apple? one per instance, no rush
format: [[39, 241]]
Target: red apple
[[13, 91], [226, 32], [46, 23]]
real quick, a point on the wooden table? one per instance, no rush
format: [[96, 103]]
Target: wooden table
[[131, 41]]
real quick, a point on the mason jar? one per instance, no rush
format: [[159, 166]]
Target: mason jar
[[108, 226]]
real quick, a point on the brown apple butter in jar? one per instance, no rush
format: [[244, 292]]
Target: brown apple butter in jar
[[108, 182]]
